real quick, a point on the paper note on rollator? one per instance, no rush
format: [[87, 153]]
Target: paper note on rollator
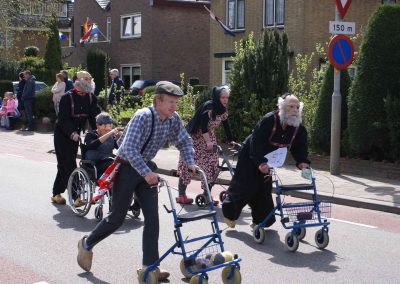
[[276, 158]]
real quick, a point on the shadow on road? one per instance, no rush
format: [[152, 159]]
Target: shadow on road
[[91, 278], [319, 260], [66, 219]]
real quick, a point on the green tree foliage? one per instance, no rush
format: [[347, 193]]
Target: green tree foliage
[[31, 51], [378, 70], [392, 105], [9, 69], [321, 128], [5, 86], [52, 56], [97, 66], [259, 75], [44, 106]]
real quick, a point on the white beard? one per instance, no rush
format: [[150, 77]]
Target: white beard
[[292, 120]]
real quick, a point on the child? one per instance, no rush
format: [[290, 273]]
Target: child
[[7, 111]]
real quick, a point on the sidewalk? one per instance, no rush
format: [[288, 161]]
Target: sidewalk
[[357, 191]]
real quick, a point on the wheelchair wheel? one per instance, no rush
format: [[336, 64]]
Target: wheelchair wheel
[[223, 195], [236, 277], [201, 200], [135, 208], [196, 279], [98, 213], [80, 186], [301, 233], [259, 234]]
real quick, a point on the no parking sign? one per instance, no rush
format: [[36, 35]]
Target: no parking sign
[[341, 52]]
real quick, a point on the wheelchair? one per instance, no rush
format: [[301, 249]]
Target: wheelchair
[[82, 184]]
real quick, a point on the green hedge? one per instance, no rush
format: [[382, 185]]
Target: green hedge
[[44, 106], [5, 86], [9, 69], [97, 65], [31, 51]]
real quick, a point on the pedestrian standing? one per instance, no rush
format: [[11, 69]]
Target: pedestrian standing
[[58, 90], [29, 97], [68, 83], [202, 126], [77, 107], [251, 184], [148, 130], [116, 88]]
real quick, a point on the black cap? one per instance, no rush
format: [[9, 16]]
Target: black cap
[[168, 88]]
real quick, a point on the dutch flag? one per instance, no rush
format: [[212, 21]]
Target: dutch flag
[[226, 29]]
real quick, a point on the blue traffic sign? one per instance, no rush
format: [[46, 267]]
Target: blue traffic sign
[[341, 51]]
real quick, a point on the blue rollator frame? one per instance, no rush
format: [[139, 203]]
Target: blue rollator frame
[[298, 216], [188, 263]]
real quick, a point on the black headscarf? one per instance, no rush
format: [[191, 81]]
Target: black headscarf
[[214, 105]]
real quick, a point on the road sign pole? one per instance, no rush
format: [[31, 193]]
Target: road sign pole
[[335, 118]]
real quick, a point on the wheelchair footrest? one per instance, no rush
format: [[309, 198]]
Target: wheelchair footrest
[[195, 215]]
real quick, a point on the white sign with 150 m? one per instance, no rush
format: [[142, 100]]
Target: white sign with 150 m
[[342, 28]]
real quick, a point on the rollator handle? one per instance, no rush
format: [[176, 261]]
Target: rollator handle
[[166, 209]]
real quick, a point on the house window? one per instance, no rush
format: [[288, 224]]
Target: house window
[[25, 8], [130, 73], [274, 13], [226, 70], [131, 26], [108, 28], [59, 9], [235, 14], [5, 40], [37, 8]]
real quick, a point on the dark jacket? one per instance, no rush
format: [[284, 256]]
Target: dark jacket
[[29, 89], [115, 90], [20, 89], [68, 84]]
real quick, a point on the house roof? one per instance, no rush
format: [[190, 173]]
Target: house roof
[[103, 3]]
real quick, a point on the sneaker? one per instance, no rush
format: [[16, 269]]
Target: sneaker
[[184, 200], [78, 203], [85, 256], [230, 223], [162, 274], [58, 199]]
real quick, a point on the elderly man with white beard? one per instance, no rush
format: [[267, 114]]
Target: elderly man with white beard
[[251, 183], [77, 106]]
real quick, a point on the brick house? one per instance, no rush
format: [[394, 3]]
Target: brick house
[[147, 39], [26, 30], [306, 23]]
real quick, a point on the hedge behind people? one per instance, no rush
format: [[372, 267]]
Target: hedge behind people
[[44, 106]]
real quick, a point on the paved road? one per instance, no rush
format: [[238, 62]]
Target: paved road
[[38, 239]]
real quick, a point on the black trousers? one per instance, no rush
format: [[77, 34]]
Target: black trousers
[[127, 182], [66, 152], [260, 202]]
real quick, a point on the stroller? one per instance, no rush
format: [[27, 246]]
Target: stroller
[[211, 254], [296, 217], [82, 184], [225, 165]]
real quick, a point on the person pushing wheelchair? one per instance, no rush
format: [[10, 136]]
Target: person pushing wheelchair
[[251, 184], [145, 134]]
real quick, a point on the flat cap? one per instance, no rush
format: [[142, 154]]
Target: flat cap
[[165, 87]]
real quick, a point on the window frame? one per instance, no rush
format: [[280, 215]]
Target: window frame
[[225, 72], [108, 25], [236, 15], [133, 35], [275, 11], [27, 7], [131, 67], [33, 6]]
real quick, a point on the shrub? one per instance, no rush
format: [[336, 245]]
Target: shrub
[[44, 106], [378, 69], [201, 97], [52, 56], [392, 105], [31, 51], [9, 69], [96, 62], [5, 86], [102, 100], [321, 127]]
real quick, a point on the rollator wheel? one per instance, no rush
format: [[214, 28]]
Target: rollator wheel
[[259, 234], [201, 200], [183, 270], [150, 279], [223, 195], [197, 280], [301, 233], [80, 186], [236, 277], [292, 242], [98, 213], [321, 238]]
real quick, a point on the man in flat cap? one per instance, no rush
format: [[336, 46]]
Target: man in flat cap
[[77, 106], [145, 134]]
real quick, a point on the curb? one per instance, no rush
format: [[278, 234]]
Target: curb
[[336, 199]]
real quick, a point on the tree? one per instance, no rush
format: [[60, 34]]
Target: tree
[[377, 71], [259, 75], [321, 128], [52, 56], [97, 66]]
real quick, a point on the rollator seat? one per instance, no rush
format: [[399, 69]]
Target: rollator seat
[[296, 187], [195, 215]]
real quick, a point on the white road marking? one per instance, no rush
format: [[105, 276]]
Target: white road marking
[[52, 163], [14, 155], [352, 223]]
